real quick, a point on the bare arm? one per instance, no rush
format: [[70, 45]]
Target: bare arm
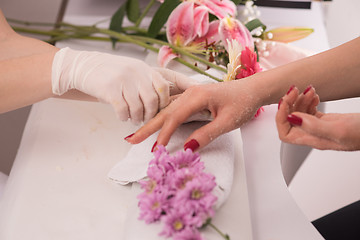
[[25, 69], [334, 73]]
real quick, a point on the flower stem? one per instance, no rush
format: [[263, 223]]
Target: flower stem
[[26, 23], [126, 38], [69, 31], [225, 236], [182, 51], [146, 10]]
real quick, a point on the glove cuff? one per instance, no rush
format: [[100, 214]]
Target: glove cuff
[[58, 86]]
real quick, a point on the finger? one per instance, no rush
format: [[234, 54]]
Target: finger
[[150, 101], [303, 102], [175, 118], [285, 107], [313, 105], [180, 81], [291, 97], [169, 119], [282, 123], [209, 132], [136, 108], [121, 109], [316, 126], [299, 137], [162, 88]]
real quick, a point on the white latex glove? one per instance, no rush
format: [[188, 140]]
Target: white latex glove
[[134, 89]]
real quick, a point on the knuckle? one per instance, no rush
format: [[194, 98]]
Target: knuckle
[[151, 102]]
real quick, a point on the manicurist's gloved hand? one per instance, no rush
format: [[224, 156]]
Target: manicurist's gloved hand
[[134, 89]]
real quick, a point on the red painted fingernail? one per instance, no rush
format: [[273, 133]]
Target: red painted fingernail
[[295, 120], [154, 146], [291, 88], [192, 144], [126, 138], [307, 89], [280, 101]]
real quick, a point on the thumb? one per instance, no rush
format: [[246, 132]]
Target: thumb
[[313, 125], [178, 82]]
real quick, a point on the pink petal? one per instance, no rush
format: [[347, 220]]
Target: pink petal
[[165, 55], [248, 58], [212, 34], [201, 21], [180, 25], [231, 28], [221, 8]]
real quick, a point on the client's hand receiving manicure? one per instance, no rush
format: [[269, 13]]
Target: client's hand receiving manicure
[[299, 122]]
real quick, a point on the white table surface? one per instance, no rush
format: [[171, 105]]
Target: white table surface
[[58, 187]]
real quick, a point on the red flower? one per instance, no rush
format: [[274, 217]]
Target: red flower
[[249, 64]]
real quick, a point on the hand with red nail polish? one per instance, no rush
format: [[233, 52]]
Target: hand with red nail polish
[[299, 122], [231, 104]]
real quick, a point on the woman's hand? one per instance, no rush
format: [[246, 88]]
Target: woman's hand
[[230, 104], [299, 122]]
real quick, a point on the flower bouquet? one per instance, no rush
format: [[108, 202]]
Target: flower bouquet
[[200, 34], [178, 193]]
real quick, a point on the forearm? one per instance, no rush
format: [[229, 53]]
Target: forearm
[[25, 70], [25, 80], [334, 74]]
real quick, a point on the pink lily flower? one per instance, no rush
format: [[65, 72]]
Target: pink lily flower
[[201, 21], [186, 23], [165, 55], [180, 25], [231, 28], [212, 34]]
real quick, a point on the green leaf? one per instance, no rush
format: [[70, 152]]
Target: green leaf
[[237, 1], [116, 21], [161, 16], [255, 23], [133, 10]]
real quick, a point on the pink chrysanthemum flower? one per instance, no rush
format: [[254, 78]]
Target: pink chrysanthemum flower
[[188, 234], [176, 221], [177, 192], [179, 178], [197, 195], [152, 206], [186, 159]]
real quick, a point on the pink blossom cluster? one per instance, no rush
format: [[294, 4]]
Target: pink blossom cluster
[[189, 27], [177, 193]]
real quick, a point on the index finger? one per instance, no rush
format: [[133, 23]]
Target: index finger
[[170, 118]]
